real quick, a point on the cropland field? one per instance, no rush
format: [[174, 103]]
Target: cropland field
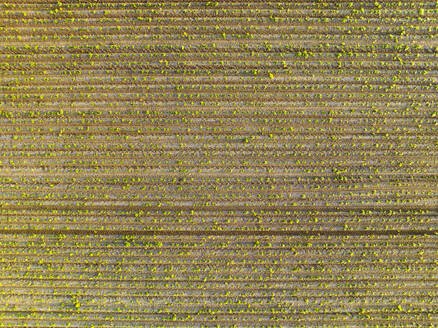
[[218, 163]]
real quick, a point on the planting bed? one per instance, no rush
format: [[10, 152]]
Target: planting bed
[[218, 164]]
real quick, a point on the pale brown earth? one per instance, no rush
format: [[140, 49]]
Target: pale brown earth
[[218, 164]]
